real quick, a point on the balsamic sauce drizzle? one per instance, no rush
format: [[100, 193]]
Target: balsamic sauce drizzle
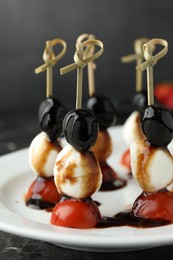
[[39, 204], [129, 219]]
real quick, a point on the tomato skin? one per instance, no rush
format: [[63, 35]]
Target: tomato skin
[[158, 205], [125, 159], [44, 189], [76, 213], [164, 94]]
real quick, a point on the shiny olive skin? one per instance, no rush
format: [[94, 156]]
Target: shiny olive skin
[[140, 101], [104, 111], [157, 125], [50, 115], [80, 129]]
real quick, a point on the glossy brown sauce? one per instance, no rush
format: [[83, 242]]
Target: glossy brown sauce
[[145, 152], [57, 145], [113, 185], [110, 181], [97, 203], [87, 200], [40, 204], [149, 210], [139, 132], [128, 219]]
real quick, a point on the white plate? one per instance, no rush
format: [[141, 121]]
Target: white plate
[[16, 218]]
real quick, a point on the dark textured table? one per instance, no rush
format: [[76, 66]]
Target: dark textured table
[[15, 247], [19, 131]]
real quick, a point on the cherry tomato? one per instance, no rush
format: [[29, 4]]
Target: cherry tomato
[[76, 213], [125, 159], [164, 94], [108, 173], [158, 205], [45, 189], [110, 180]]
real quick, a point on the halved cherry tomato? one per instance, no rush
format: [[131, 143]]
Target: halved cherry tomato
[[76, 213], [45, 189], [164, 94], [158, 205], [125, 159]]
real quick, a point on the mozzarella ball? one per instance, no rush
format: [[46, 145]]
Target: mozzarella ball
[[170, 147], [103, 146], [77, 174], [42, 155], [152, 166], [132, 128]]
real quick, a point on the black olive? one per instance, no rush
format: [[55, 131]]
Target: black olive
[[80, 129], [104, 111], [140, 101], [50, 115], [157, 125]]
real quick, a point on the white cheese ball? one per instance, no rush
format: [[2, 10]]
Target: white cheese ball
[[132, 128], [76, 174], [42, 155], [170, 147], [152, 167]]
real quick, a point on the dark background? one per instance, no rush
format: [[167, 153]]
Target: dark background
[[26, 25]]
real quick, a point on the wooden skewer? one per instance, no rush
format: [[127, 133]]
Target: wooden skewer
[[150, 85], [89, 50], [79, 88], [91, 67], [150, 62], [91, 78], [80, 63], [49, 71], [139, 51], [138, 57], [50, 60], [79, 52]]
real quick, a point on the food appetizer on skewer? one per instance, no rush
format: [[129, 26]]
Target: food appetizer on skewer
[[77, 173], [151, 161], [43, 150], [132, 127], [104, 111]]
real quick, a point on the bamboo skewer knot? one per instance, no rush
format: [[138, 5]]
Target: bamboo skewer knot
[[138, 51], [138, 56], [91, 66], [150, 62], [50, 60], [150, 59], [48, 55], [80, 62]]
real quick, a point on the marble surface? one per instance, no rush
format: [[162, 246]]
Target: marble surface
[[14, 247]]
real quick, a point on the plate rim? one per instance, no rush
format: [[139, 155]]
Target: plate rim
[[70, 237]]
